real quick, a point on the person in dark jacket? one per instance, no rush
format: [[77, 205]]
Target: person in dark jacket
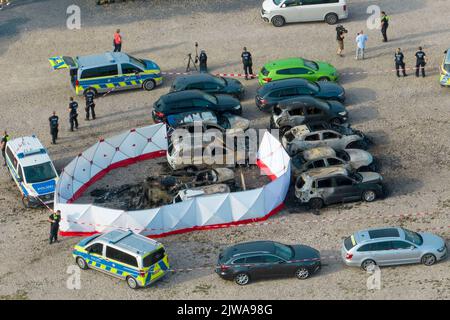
[[54, 220], [399, 62], [203, 59], [248, 63], [54, 126]]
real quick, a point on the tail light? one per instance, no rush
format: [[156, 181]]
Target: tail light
[[348, 256], [159, 114], [142, 273], [77, 83], [224, 267], [267, 79], [345, 7], [263, 101]]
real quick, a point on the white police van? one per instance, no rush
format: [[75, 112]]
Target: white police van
[[32, 170]]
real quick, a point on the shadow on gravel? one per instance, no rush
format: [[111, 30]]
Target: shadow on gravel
[[362, 113], [360, 95], [349, 75]]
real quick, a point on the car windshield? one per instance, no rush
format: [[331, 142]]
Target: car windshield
[[283, 251], [413, 237], [277, 2], [343, 155], [356, 176], [314, 86], [311, 64], [210, 98], [136, 61], [39, 173], [220, 80]]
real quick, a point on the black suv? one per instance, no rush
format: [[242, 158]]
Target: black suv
[[193, 100], [248, 261], [208, 83], [271, 93]]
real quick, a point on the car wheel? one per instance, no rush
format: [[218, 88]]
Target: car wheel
[[324, 79], [82, 263], [90, 90], [278, 21], [331, 18], [132, 283], [369, 196], [242, 279], [316, 203], [367, 264], [336, 121], [149, 85], [191, 169], [428, 259], [302, 273]]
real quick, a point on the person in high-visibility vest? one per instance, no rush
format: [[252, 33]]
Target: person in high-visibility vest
[[384, 25], [5, 139], [54, 220]]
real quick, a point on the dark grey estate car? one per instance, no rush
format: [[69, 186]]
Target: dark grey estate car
[[248, 261], [305, 109]]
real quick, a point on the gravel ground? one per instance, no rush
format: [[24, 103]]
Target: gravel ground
[[408, 119]]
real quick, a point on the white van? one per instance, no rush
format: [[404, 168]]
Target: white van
[[32, 170], [280, 12]]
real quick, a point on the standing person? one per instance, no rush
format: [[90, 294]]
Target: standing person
[[399, 63], [117, 41], [5, 139], [54, 220], [248, 63], [203, 59], [73, 114], [361, 40], [54, 126], [340, 36], [421, 61], [384, 25], [4, 3], [90, 105]]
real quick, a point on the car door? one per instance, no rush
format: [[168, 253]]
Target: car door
[[212, 87], [314, 9], [109, 77], [257, 267], [314, 114], [291, 10], [404, 252], [344, 190], [296, 116], [382, 252], [311, 140], [323, 188], [119, 260], [303, 73], [330, 139], [96, 255], [131, 75], [278, 267], [288, 93]]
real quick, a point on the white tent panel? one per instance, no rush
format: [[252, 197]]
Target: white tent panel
[[223, 214], [65, 187], [133, 145], [149, 132], [118, 139], [83, 171], [89, 154], [94, 170], [119, 156], [104, 155], [76, 185], [70, 168], [257, 210], [209, 206], [179, 215]]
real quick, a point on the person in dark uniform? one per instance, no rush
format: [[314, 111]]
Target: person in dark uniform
[[54, 126], [203, 59], [384, 25], [248, 63], [420, 62], [5, 140], [399, 62], [54, 220], [90, 105], [73, 114]]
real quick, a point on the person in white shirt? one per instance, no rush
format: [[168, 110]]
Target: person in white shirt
[[361, 40]]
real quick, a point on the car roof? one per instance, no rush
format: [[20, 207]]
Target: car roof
[[102, 59], [29, 150], [376, 234], [181, 95], [280, 84], [318, 153], [284, 63], [190, 117], [129, 241], [249, 247], [326, 172], [194, 77], [301, 100]]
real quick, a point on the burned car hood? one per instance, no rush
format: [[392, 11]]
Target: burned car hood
[[360, 157], [238, 123], [370, 177]]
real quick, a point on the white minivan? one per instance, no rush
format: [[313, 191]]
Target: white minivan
[[280, 12]]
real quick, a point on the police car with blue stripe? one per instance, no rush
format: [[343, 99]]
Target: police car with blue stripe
[[124, 255], [445, 70], [110, 71], [32, 170]]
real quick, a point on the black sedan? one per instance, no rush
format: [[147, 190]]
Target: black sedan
[[193, 100], [249, 261], [272, 93], [208, 83], [306, 110]]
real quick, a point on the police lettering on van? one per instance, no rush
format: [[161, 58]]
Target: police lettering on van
[[32, 170], [108, 71]]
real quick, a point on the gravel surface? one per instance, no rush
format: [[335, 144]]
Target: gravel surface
[[407, 118]]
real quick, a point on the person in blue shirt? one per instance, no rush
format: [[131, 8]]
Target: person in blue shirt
[[361, 40]]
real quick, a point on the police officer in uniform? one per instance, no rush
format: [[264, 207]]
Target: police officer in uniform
[[384, 25], [54, 126], [203, 59], [90, 105], [73, 114], [54, 220], [5, 140], [248, 63], [420, 62], [399, 63]]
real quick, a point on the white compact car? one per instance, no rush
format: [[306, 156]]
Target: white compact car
[[280, 12]]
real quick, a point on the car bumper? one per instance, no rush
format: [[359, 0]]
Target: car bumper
[[445, 80], [442, 255], [224, 275], [265, 16]]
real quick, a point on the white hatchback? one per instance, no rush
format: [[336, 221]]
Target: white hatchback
[[280, 12]]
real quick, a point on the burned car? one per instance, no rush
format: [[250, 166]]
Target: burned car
[[302, 138], [305, 109], [323, 157], [325, 186], [188, 194], [208, 120]]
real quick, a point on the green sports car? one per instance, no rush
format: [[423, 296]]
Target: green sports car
[[297, 68]]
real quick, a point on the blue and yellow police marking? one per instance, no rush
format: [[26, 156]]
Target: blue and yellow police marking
[[57, 63]]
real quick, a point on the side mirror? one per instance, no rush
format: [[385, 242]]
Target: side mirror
[[281, 262]]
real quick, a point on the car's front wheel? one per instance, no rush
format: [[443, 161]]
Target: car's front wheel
[[369, 196], [302, 273], [316, 203], [278, 21], [242, 279], [132, 282], [428, 259], [82, 263], [324, 79], [331, 18], [368, 264]]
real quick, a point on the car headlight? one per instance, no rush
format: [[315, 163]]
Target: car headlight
[[341, 94], [441, 249], [343, 113], [237, 107]]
